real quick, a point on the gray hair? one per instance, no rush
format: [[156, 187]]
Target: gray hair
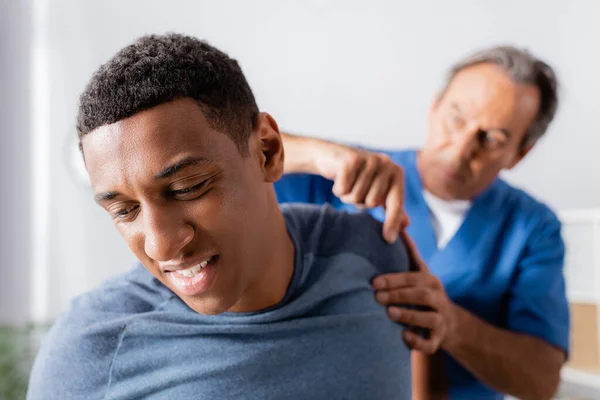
[[524, 68]]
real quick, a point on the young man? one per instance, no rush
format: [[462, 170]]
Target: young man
[[499, 311], [233, 298]]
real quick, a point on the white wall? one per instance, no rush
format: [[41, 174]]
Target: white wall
[[353, 71], [15, 161]]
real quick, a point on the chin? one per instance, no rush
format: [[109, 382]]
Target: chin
[[444, 191], [452, 195], [451, 190], [209, 306]]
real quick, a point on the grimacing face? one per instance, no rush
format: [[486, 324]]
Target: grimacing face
[[475, 130], [183, 196]]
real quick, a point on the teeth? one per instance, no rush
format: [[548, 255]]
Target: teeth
[[193, 271]]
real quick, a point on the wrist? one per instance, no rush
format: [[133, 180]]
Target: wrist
[[458, 327]]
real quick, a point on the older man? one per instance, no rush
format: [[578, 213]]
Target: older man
[[495, 295]]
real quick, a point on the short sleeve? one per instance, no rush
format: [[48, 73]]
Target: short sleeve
[[315, 189], [538, 303], [304, 188]]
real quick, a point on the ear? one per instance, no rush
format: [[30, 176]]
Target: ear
[[270, 145], [521, 153]]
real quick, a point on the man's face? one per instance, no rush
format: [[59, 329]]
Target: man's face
[[188, 204], [475, 130]]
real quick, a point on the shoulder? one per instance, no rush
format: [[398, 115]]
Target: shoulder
[[534, 221], [533, 213], [76, 354], [327, 232]]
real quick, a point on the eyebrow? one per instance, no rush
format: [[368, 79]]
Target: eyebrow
[[180, 165], [105, 196], [165, 173]]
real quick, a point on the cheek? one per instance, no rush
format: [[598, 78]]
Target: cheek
[[438, 136], [493, 165], [486, 171], [233, 220], [226, 214], [216, 214], [245, 213]]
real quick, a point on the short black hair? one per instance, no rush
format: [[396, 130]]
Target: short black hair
[[157, 69]]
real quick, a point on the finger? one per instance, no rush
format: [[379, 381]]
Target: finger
[[379, 189], [422, 319], [419, 296], [395, 216], [345, 180], [416, 342], [399, 280], [363, 182], [417, 262]]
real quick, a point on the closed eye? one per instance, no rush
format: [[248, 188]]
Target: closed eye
[[192, 192], [125, 212], [188, 190]]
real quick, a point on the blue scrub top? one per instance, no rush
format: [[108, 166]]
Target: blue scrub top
[[504, 264]]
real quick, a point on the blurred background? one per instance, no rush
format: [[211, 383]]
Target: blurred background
[[353, 71]]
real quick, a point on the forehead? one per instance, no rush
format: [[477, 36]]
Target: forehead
[[485, 90], [144, 144]]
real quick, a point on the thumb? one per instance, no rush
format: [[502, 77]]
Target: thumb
[[413, 253]]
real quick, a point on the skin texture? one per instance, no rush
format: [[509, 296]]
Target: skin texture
[[476, 129], [223, 204], [363, 178]]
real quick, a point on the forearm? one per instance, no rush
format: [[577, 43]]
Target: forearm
[[300, 153], [515, 364]]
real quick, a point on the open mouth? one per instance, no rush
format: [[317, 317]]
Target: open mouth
[[196, 279], [193, 271]]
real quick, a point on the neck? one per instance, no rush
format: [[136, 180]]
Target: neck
[[275, 276]]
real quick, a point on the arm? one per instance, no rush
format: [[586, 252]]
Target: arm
[[523, 360], [301, 182], [513, 363], [300, 154], [71, 364], [76, 356], [345, 175]]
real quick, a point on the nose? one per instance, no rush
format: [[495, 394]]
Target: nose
[[166, 234], [465, 144]]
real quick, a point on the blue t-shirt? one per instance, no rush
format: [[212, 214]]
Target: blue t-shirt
[[504, 264], [327, 339]]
